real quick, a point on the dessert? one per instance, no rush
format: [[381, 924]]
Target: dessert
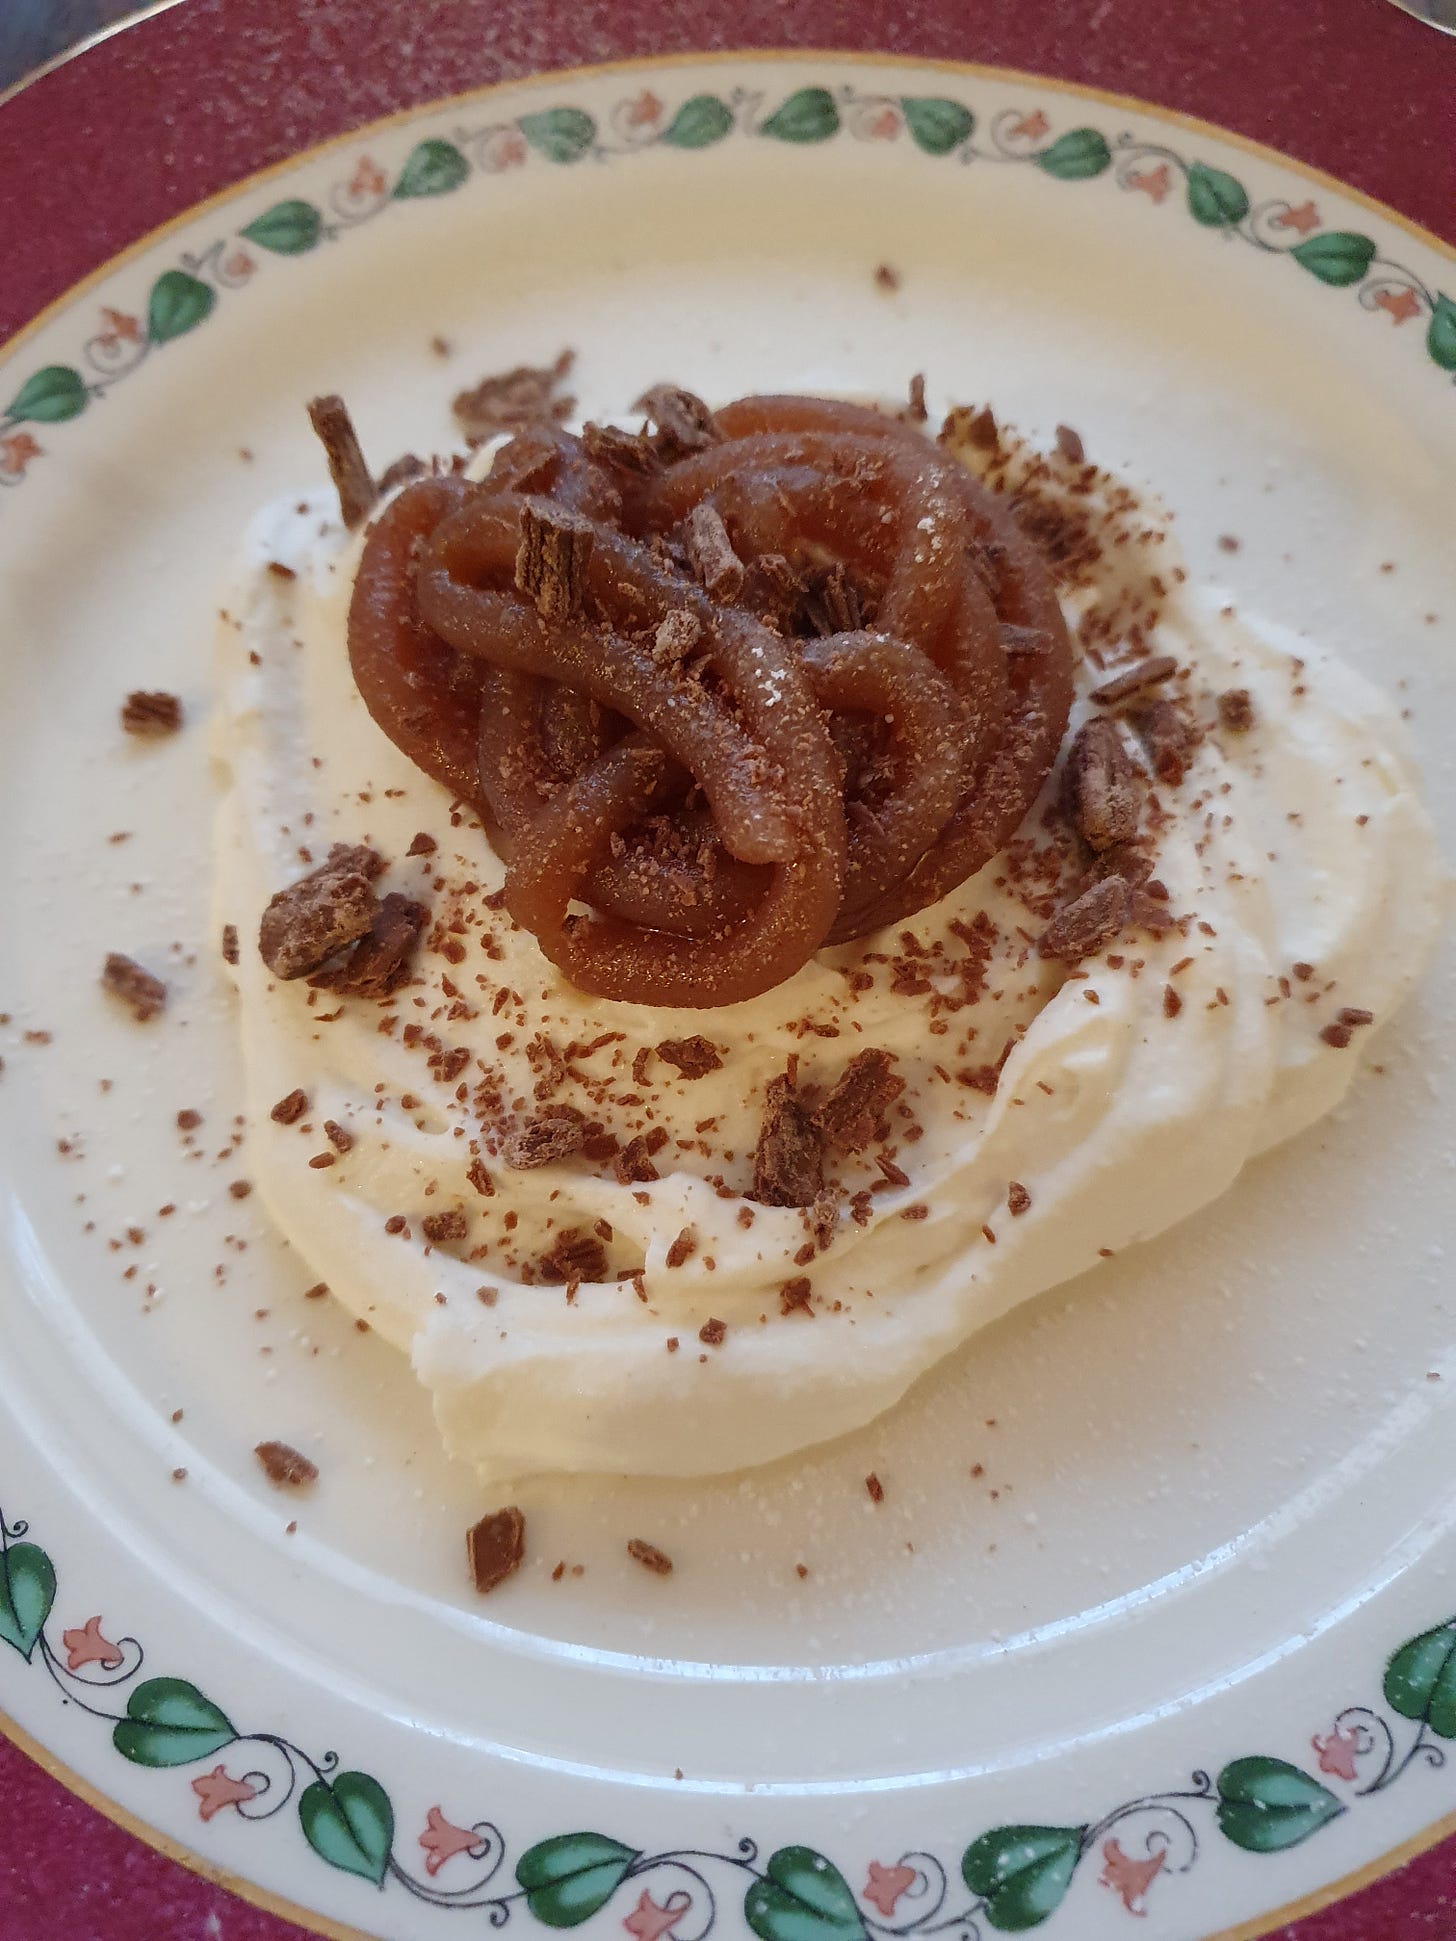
[[703, 952]]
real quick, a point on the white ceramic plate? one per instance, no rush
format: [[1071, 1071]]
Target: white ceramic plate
[[1214, 1491]]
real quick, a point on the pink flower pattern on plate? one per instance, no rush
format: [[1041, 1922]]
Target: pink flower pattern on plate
[[218, 1789], [442, 1840], [1130, 1879], [1336, 1752], [88, 1647]]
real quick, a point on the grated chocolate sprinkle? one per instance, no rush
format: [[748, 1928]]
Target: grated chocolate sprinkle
[[649, 1556], [495, 1546], [144, 994], [284, 1466], [151, 714]]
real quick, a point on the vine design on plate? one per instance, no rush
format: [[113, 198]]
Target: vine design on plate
[[1008, 1880], [941, 127]]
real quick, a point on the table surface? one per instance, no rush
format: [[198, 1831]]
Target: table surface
[[1353, 86]]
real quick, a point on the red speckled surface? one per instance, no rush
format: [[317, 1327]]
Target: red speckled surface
[[113, 144]]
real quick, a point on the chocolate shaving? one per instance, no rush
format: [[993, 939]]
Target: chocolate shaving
[[230, 943], [1086, 924], [694, 1057], [552, 559], [1236, 711], [1070, 446], [404, 468], [541, 1142], [794, 1296], [886, 277], [683, 1248], [788, 1163], [351, 476], [633, 1164], [125, 979], [684, 423], [1356, 1016], [710, 552], [290, 1108], [1133, 680], [495, 1546], [626, 451], [713, 1333], [422, 845], [447, 1228], [1024, 640], [875, 1488], [1337, 1034], [916, 411], [284, 1466], [649, 1556], [1167, 738], [1103, 792], [1018, 1200], [852, 1116], [332, 906], [380, 960], [981, 431], [514, 400], [151, 715], [573, 1256]]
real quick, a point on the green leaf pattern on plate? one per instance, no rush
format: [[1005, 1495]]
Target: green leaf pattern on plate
[[937, 125], [1075, 156], [802, 1897], [568, 1878], [809, 115], [560, 134], [1022, 1872], [49, 397], [1265, 1805], [1215, 198], [27, 1592], [179, 302], [288, 228], [701, 120], [170, 1723], [431, 168], [349, 1822]]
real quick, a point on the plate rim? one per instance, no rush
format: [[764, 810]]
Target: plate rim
[[250, 1891]]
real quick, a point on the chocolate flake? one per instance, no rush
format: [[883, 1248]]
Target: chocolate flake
[[1167, 738], [649, 1556], [1338, 1035], [1070, 446], [574, 1256], [515, 400], [852, 1116], [379, 962], [694, 1057], [332, 906], [352, 481], [794, 1296], [125, 979], [1236, 710], [406, 467], [340, 1139], [151, 715], [290, 1109], [886, 278], [447, 1228], [1087, 923], [552, 558], [624, 450], [1172, 1002], [1018, 1200], [495, 1546], [541, 1142], [684, 423], [284, 1466], [713, 1333], [710, 552], [1355, 1016], [788, 1164], [230, 943], [916, 411], [875, 1487], [423, 845], [683, 1248], [1103, 795], [1151, 672]]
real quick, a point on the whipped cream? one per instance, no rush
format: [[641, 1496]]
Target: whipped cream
[[1130, 1091]]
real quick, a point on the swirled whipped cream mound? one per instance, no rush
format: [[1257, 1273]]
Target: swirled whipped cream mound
[[662, 1241]]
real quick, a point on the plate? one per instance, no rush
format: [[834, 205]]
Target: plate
[[1184, 1647]]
